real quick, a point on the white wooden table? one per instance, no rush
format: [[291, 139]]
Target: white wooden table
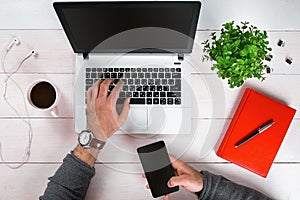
[[118, 169]]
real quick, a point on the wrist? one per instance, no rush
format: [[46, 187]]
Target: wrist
[[86, 155], [98, 133]]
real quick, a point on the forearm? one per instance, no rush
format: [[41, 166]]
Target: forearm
[[219, 188], [72, 179]]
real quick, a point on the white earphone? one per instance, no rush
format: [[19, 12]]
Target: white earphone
[[26, 119], [15, 41]]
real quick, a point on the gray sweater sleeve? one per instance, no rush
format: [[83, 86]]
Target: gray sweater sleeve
[[71, 180], [219, 188]]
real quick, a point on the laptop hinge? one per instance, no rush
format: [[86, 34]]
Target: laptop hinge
[[180, 57], [85, 56]]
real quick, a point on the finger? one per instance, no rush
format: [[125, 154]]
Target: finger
[[116, 91], [104, 88], [124, 111], [176, 163], [143, 175], [89, 95], [96, 89], [147, 186], [181, 180], [167, 197]]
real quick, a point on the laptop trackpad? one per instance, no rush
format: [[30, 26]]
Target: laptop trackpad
[[137, 121]]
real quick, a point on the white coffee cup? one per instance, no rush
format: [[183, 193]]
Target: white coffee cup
[[43, 95]]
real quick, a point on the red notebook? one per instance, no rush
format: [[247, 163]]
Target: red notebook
[[257, 154]]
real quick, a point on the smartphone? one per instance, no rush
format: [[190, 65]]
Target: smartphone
[[157, 167]]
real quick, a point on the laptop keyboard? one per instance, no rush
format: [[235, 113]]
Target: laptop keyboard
[[143, 85]]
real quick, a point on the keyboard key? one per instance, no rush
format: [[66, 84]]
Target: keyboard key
[[167, 70], [145, 88], [113, 75], [166, 88], [127, 75], [161, 69], [149, 94], [93, 69], [133, 69], [87, 75], [159, 88], [141, 75], [93, 75], [172, 69], [155, 101], [161, 75], [144, 82], [111, 87], [164, 81], [155, 94], [144, 70], [139, 70], [177, 101], [127, 69], [176, 75], [106, 75], [163, 101], [122, 69], [116, 81], [152, 88], [178, 69], [173, 94], [155, 69], [116, 69], [142, 94], [175, 88], [88, 69], [147, 75], [133, 75], [131, 88], [149, 101], [137, 81], [151, 81], [154, 75], [157, 81], [122, 94], [171, 81], [104, 70], [89, 81], [135, 94], [170, 101], [178, 82], [128, 94], [100, 75], [110, 69], [139, 88], [125, 88], [150, 69], [137, 101], [120, 75], [130, 81], [167, 75]]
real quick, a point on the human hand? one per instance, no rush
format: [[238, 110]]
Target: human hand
[[187, 177], [102, 117]]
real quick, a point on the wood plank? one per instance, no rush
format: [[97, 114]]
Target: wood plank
[[282, 15], [55, 54], [126, 179], [64, 82], [53, 139]]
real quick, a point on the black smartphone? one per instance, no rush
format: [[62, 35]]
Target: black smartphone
[[157, 167]]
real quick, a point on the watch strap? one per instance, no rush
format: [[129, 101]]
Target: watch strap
[[97, 144]]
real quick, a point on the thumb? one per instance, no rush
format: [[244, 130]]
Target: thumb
[[178, 181]]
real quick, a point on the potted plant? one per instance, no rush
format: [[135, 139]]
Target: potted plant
[[238, 53]]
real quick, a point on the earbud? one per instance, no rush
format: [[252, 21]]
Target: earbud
[[15, 41], [32, 53]]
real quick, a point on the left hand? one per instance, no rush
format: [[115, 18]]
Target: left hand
[[102, 117]]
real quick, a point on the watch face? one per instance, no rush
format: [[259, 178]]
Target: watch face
[[84, 138]]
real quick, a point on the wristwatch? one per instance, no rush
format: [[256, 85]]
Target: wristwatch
[[87, 139]]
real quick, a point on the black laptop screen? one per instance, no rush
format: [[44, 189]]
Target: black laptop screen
[[129, 26]]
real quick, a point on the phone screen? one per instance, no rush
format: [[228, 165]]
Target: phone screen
[[157, 167]]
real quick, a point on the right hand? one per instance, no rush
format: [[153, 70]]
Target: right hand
[[187, 177]]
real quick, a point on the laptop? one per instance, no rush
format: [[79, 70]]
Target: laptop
[[146, 44]]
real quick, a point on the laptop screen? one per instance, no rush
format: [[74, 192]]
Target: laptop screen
[[114, 27]]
